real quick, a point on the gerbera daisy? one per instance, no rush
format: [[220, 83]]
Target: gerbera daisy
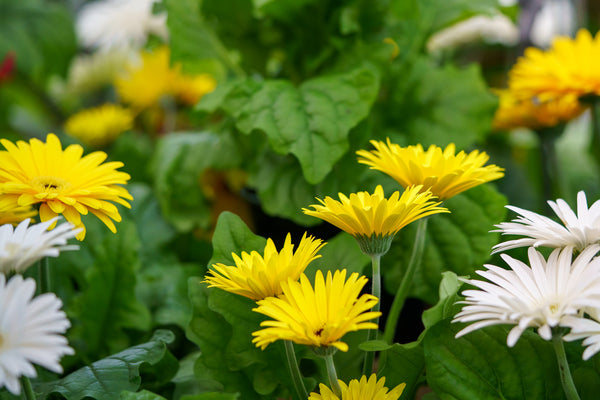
[[108, 24], [24, 245], [318, 316], [61, 181], [586, 329], [99, 126], [578, 230], [569, 67], [145, 83], [526, 113], [540, 296], [371, 218], [258, 276], [443, 172], [31, 331], [371, 389]]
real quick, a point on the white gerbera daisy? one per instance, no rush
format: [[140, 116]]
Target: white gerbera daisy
[[30, 332], [539, 296], [578, 231], [24, 245], [586, 329], [109, 24]]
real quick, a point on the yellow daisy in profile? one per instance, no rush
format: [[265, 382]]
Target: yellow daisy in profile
[[318, 316], [371, 389], [143, 84], [99, 126], [529, 113], [16, 215], [61, 181], [258, 276], [443, 172], [190, 89], [371, 218], [569, 66]]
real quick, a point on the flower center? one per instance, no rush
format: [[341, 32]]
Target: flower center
[[49, 184]]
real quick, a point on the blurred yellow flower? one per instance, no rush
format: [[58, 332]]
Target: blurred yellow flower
[[529, 113], [190, 89], [569, 66], [16, 215], [99, 126], [317, 317], [371, 389], [371, 218], [143, 84], [61, 181], [443, 172], [256, 277]]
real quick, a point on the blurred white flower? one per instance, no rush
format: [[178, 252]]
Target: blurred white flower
[[24, 245], [555, 18], [579, 230], [89, 72], [496, 29], [30, 332], [540, 296], [108, 24]]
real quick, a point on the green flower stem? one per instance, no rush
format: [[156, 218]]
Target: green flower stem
[[43, 275], [402, 293], [294, 370], [332, 374], [27, 390], [375, 291], [563, 367], [551, 176], [595, 145]]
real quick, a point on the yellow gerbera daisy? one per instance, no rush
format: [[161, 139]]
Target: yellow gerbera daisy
[[99, 126], [317, 317], [61, 181], [143, 84], [16, 215], [443, 172], [371, 389], [256, 277], [570, 66], [371, 218], [190, 89], [527, 113]]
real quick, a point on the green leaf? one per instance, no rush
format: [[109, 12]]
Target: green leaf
[[481, 366], [448, 12], [374, 345], [233, 236], [142, 395], [135, 150], [311, 121], [107, 306], [213, 396], [459, 242], [446, 306], [404, 363], [340, 252], [440, 105], [107, 378], [279, 8], [178, 162]]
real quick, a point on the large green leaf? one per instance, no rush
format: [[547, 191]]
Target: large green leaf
[[311, 121], [459, 242], [141, 395], [481, 366], [179, 160], [232, 235], [438, 105], [107, 378], [107, 306]]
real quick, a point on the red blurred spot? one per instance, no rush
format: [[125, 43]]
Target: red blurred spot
[[7, 66]]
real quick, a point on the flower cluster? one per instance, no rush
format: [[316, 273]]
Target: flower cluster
[[547, 294], [545, 87]]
